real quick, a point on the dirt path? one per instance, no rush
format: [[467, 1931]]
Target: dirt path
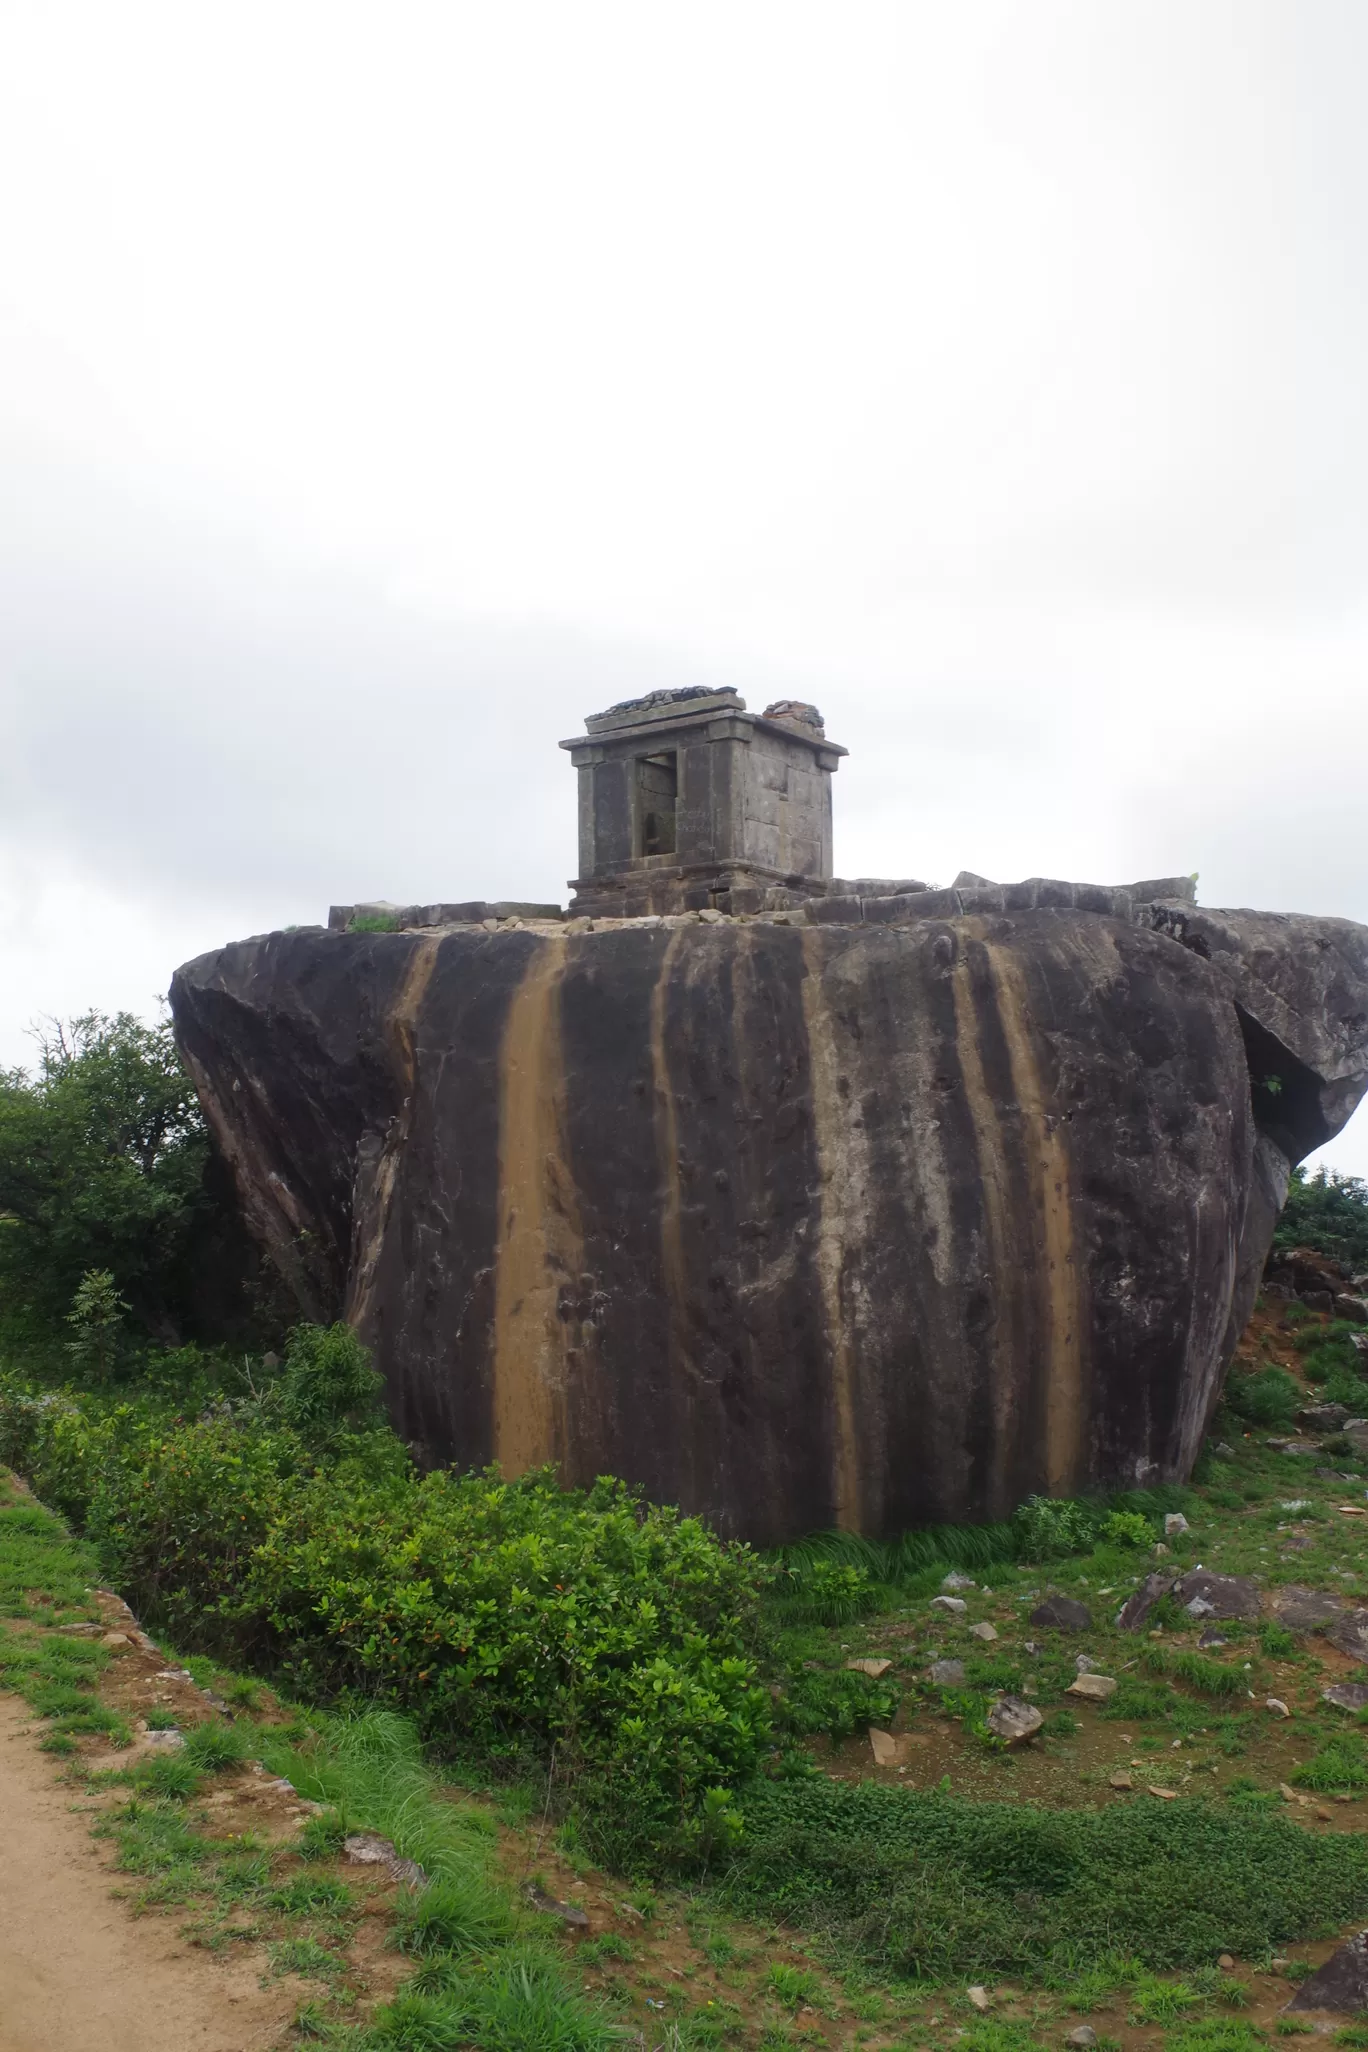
[[77, 1971]]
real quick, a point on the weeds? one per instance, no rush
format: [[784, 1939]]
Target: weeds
[[1342, 1763], [933, 1885]]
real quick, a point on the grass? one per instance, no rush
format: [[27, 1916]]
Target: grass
[[484, 1982], [1209, 1677], [894, 1888], [1342, 1763], [933, 1886], [44, 1573]]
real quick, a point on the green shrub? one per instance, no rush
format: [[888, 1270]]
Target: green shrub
[[1050, 1527], [812, 1587], [1269, 1397], [328, 1384], [516, 1617], [838, 1701], [1127, 1528]]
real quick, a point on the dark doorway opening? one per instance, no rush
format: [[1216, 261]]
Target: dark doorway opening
[[657, 779]]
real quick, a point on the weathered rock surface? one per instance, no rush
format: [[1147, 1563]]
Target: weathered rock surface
[[1305, 1610], [1341, 1984], [1134, 1612], [1350, 1634], [1063, 1613], [1204, 1594], [1013, 1721], [796, 1225]]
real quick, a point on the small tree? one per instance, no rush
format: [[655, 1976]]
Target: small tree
[[328, 1383], [96, 1316]]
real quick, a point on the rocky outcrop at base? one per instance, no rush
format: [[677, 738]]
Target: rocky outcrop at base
[[796, 1220]]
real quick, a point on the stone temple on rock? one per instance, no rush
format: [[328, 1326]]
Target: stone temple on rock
[[794, 1200], [687, 802]]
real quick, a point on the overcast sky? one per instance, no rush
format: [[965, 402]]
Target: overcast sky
[[383, 388]]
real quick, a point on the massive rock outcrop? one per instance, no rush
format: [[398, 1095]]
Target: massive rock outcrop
[[885, 1211]]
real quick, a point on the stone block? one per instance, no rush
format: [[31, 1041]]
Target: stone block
[[835, 911]]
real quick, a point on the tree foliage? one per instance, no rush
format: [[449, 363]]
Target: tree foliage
[[1329, 1213], [104, 1168]]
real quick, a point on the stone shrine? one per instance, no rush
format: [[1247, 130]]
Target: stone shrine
[[796, 1201], [687, 801]]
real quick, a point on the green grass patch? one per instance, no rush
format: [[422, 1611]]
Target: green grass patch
[[1341, 1763], [937, 1886], [1209, 1677], [43, 1571]]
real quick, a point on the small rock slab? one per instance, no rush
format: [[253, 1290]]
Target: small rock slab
[[954, 1580], [1341, 1984], [984, 1631], [870, 1667], [1013, 1720], [1323, 1417], [891, 1749], [370, 1850], [956, 1605], [948, 1674], [1134, 1612], [1121, 1780], [1305, 1610], [1350, 1634], [1210, 1640], [1095, 1688], [1204, 1594], [568, 1912], [1082, 2037], [1063, 1613], [1347, 1695], [167, 1741], [1175, 1524]]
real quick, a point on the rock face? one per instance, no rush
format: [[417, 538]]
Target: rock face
[[794, 1224]]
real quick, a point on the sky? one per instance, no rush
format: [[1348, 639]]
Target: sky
[[382, 389]]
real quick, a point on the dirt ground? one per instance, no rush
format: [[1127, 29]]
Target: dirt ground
[[77, 1972]]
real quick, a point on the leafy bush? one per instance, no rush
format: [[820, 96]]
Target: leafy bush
[[814, 1587], [1127, 1528], [615, 1637], [1050, 1527], [328, 1383], [838, 1701], [517, 1617]]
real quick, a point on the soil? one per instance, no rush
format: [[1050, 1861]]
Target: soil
[[76, 1971]]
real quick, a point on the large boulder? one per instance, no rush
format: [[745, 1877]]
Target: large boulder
[[797, 1225]]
